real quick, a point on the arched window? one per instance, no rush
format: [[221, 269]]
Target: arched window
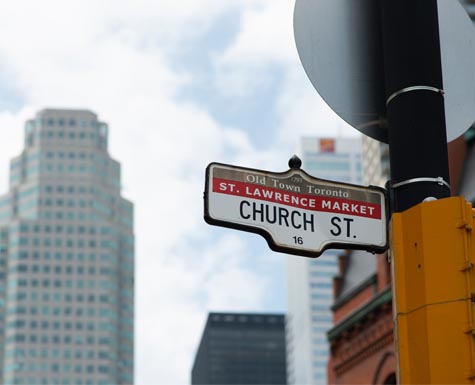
[[390, 380], [385, 373]]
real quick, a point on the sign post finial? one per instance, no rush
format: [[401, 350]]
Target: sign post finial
[[295, 162]]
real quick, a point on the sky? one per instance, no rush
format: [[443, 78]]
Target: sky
[[181, 84]]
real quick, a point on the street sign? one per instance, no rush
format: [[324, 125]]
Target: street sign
[[340, 48], [294, 212]]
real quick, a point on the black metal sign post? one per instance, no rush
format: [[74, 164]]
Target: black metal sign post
[[431, 241], [352, 52], [415, 102]]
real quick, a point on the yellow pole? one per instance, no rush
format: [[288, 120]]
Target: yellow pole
[[432, 254]]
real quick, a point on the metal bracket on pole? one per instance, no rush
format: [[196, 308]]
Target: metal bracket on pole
[[414, 88], [392, 187], [439, 180]]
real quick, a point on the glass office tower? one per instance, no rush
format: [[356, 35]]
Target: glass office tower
[[310, 281], [66, 258]]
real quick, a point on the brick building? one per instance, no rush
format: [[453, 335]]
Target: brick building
[[362, 344], [361, 340]]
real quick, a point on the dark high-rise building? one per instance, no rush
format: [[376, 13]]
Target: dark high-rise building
[[238, 348]]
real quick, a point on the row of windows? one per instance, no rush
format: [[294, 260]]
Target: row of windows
[[64, 311], [57, 283], [65, 325], [321, 377], [53, 381], [320, 341], [60, 297], [322, 295], [320, 352], [71, 135], [72, 189], [96, 210], [68, 297], [60, 202], [69, 189], [109, 201], [100, 158], [329, 273], [321, 308], [69, 339], [69, 229], [56, 353], [71, 122], [110, 177], [105, 196], [76, 155], [58, 269], [43, 367], [103, 313], [318, 154], [95, 216], [322, 166], [75, 167], [81, 168], [60, 155], [322, 318], [56, 311], [319, 364], [321, 285], [58, 256], [42, 338], [60, 242]]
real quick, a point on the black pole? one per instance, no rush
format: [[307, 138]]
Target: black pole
[[415, 102]]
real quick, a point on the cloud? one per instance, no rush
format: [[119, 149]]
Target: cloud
[[301, 109], [118, 59], [263, 53], [212, 278], [265, 40], [115, 58]]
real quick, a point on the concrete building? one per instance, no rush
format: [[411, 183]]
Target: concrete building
[[310, 281], [66, 258], [241, 348]]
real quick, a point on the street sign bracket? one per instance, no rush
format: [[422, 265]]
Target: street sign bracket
[[414, 88], [439, 180]]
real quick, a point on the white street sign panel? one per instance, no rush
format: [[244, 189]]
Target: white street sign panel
[[296, 213]]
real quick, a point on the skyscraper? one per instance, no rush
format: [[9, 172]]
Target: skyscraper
[[310, 281], [241, 348], [66, 258]]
